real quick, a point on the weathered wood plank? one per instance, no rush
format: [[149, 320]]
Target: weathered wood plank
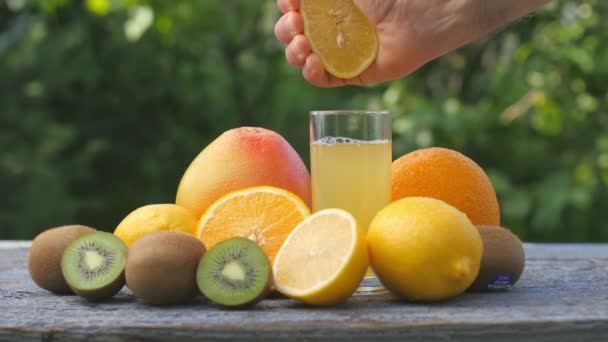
[[541, 251], [563, 296], [14, 244]]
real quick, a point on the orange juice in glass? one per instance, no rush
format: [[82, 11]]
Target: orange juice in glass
[[351, 157]]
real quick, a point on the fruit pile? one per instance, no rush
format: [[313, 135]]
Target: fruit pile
[[241, 228]]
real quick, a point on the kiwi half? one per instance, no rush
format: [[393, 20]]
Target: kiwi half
[[94, 265], [161, 267], [502, 262], [235, 272], [44, 260]]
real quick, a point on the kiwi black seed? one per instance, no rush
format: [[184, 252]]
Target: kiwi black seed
[[44, 261], [236, 272], [502, 262], [94, 265], [161, 267]]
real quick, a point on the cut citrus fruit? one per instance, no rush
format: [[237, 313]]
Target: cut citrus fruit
[[323, 260], [262, 214], [341, 35]]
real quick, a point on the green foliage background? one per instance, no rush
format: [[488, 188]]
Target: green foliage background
[[103, 104]]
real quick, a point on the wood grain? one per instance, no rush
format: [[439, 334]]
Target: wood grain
[[562, 296]]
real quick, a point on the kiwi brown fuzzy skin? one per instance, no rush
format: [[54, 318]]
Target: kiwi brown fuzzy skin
[[503, 254], [44, 260], [161, 267]]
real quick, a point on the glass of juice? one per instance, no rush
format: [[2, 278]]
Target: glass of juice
[[351, 155]]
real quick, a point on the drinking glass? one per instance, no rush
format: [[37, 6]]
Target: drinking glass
[[351, 155]]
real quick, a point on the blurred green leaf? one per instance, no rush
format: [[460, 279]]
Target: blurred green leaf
[[104, 103]]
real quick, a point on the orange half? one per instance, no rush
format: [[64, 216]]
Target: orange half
[[264, 214], [341, 35]]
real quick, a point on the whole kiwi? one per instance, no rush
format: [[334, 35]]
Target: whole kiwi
[[502, 262], [161, 267], [44, 261]]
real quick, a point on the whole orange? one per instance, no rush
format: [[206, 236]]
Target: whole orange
[[449, 176], [242, 158]]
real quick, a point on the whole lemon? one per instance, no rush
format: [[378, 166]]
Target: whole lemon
[[154, 218], [423, 249]]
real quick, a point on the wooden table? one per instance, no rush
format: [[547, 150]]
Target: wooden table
[[562, 296]]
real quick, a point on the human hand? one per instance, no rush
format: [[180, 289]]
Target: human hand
[[410, 34]]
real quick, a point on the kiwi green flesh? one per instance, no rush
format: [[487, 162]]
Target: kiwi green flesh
[[44, 258], [234, 273], [93, 265], [502, 262]]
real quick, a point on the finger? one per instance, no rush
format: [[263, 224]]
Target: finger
[[297, 51], [315, 74], [288, 27], [288, 5]]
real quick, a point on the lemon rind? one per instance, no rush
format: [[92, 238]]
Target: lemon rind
[[289, 291]]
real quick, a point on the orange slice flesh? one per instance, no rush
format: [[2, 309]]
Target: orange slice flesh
[[263, 214], [341, 35]]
